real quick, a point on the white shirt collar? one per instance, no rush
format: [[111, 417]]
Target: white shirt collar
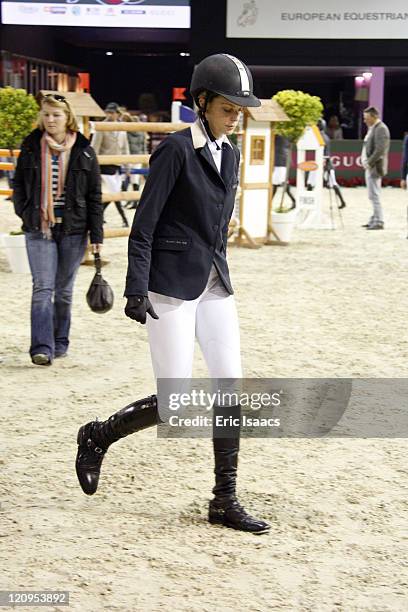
[[213, 143]]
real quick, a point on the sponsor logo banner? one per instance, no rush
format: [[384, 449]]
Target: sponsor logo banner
[[317, 19]]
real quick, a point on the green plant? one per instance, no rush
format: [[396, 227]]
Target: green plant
[[302, 110], [18, 112]]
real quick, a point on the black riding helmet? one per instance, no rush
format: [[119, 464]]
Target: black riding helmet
[[226, 76]]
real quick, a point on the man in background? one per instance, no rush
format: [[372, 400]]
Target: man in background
[[375, 163], [112, 143]]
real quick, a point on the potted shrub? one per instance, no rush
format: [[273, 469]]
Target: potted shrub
[[302, 110], [18, 112]]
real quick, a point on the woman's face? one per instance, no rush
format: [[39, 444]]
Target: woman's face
[[54, 119], [222, 116]]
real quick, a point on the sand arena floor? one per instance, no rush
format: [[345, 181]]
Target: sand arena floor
[[332, 304]]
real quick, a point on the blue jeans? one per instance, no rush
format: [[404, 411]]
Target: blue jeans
[[54, 264]]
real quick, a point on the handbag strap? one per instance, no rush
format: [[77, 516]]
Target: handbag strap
[[97, 261]]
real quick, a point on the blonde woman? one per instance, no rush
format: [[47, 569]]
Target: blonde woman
[[57, 194]]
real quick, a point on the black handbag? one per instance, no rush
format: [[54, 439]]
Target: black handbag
[[99, 295]]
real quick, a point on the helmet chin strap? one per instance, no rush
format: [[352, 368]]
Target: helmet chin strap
[[201, 113], [209, 132]]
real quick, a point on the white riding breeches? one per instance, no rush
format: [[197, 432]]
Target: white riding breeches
[[111, 183], [279, 175], [329, 176], [211, 318]]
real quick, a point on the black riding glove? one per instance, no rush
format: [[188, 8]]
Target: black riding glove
[[137, 307]]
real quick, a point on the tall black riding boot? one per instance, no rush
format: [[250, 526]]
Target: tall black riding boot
[[225, 509], [292, 197], [133, 203], [122, 213], [95, 437], [105, 206], [340, 196], [274, 190]]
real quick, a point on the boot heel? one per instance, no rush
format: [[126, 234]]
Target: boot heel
[[215, 519], [80, 434], [216, 516]]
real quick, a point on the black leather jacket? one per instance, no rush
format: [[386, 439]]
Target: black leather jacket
[[83, 209]]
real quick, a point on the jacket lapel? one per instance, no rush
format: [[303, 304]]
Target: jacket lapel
[[201, 146], [227, 163], [206, 154]]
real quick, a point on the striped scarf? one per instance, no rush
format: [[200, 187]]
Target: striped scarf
[[49, 147]]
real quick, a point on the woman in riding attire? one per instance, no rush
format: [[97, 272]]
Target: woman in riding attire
[[178, 274]]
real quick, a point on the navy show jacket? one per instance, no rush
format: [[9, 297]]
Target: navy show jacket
[[181, 224]]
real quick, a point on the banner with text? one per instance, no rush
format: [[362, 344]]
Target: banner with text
[[317, 19], [98, 13]]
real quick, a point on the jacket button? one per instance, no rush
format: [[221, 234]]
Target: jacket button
[[215, 227]]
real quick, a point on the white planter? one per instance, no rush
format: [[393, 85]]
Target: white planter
[[283, 224], [16, 252]]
